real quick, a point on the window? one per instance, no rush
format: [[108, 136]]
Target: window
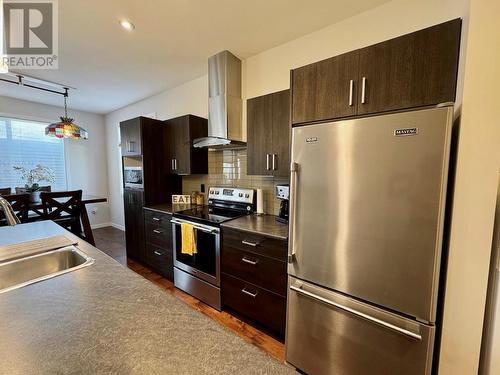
[[24, 143]]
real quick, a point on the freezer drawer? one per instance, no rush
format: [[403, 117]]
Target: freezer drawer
[[329, 333], [367, 207]]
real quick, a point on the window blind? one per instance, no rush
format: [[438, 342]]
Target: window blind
[[24, 143]]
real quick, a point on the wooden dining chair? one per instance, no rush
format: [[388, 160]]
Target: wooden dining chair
[[20, 204], [65, 209], [4, 191]]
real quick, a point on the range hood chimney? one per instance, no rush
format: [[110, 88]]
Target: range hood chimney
[[224, 103]]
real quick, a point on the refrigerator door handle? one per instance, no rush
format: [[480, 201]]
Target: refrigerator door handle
[[294, 167], [352, 311]]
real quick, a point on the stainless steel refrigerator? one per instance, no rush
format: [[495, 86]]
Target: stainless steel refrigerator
[[366, 224]]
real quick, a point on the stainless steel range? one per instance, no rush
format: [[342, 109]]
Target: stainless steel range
[[199, 274]]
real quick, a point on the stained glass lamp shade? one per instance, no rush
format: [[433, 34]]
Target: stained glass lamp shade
[[66, 128]]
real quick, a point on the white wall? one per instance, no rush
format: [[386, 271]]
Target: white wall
[[86, 166], [269, 71], [475, 194]]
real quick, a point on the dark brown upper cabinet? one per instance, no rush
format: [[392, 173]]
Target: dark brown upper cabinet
[[414, 70], [268, 134], [183, 158], [325, 89], [130, 134], [259, 135]]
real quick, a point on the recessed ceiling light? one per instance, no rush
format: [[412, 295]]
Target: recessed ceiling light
[[127, 25]]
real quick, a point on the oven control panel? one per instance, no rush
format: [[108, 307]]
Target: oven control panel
[[232, 194]]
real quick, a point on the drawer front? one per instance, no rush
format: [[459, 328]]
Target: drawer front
[[356, 338], [158, 218], [266, 308], [255, 243], [158, 235], [262, 271], [160, 259]]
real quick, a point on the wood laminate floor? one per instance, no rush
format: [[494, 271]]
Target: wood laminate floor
[[112, 242]]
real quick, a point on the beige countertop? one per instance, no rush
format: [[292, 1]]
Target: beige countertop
[[260, 224]]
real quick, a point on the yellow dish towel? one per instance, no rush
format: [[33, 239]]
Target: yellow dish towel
[[188, 239]]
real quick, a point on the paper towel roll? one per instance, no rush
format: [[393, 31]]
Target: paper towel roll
[[260, 201]]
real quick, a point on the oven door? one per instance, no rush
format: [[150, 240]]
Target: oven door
[[205, 264]]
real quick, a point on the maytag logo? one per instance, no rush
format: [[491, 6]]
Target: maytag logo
[[312, 140], [405, 132]]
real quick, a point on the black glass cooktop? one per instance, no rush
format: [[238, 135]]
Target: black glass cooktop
[[209, 214]]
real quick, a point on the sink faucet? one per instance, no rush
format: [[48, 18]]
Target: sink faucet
[[10, 216]]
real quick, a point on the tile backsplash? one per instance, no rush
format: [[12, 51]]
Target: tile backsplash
[[229, 168]]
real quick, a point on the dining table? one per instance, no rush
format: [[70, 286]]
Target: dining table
[[37, 208]]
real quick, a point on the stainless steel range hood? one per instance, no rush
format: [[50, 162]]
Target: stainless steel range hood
[[224, 103]]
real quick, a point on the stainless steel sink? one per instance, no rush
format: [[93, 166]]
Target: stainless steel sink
[[32, 269]]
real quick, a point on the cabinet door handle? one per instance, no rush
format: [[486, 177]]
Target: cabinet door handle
[[363, 91], [157, 231], [253, 295], [249, 261], [267, 161], [253, 244], [274, 162], [158, 253], [351, 89], [156, 218], [172, 164], [175, 164]]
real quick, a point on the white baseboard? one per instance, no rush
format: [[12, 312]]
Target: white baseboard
[[118, 226], [102, 225]]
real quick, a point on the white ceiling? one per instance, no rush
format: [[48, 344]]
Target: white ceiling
[[112, 68]]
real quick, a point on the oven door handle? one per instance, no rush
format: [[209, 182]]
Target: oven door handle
[[197, 226]]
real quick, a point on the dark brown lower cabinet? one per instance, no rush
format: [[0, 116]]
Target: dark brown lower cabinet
[[259, 304], [134, 223], [254, 277], [158, 240]]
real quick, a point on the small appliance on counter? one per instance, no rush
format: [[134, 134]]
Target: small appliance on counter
[[283, 194]]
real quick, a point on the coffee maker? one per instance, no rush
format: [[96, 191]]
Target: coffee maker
[[283, 194]]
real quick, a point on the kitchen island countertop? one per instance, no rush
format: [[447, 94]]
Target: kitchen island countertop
[[107, 319]]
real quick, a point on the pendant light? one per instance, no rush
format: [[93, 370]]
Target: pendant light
[[66, 128]]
